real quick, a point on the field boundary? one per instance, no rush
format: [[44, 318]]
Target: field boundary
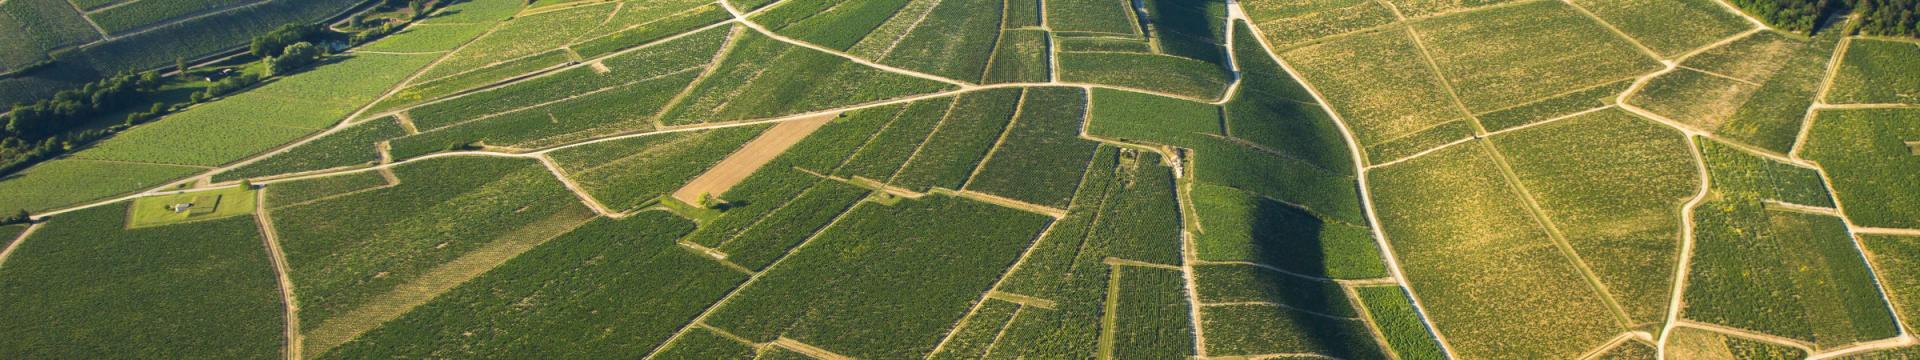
[[279, 259], [11, 246]]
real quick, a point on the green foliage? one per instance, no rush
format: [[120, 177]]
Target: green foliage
[[453, 84], [1774, 78], [428, 37], [667, 60], [1692, 343], [1877, 71], [275, 42], [1132, 116], [1247, 283], [700, 343], [975, 337], [262, 118], [838, 26], [1427, 205], [890, 149], [522, 36], [1791, 274], [1044, 137], [556, 300], [65, 182], [1225, 163], [1569, 52], [307, 190], [1893, 260], [969, 131], [295, 57], [41, 26], [1020, 14], [83, 287], [762, 77], [955, 41], [767, 240], [752, 200], [626, 173], [139, 14], [1237, 226], [1168, 74], [863, 312], [1102, 16], [1733, 170], [1265, 329], [1610, 182], [1022, 56], [1869, 156], [1152, 319], [650, 31], [1289, 23], [1399, 322], [158, 210], [349, 250], [626, 109], [1378, 85], [1670, 28], [1555, 107], [1801, 16], [349, 147]]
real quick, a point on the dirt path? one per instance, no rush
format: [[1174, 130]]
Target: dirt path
[[576, 189], [404, 298], [742, 18], [1022, 300], [1684, 266], [16, 242], [1559, 237], [279, 260], [1616, 31], [809, 350], [750, 157]]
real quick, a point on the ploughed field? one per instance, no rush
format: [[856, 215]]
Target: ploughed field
[[1005, 179]]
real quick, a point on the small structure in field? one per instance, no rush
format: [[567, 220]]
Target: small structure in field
[[1914, 146]]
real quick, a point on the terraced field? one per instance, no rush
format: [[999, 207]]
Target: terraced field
[[987, 179]]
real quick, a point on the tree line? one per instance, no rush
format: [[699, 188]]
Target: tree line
[[1877, 17]]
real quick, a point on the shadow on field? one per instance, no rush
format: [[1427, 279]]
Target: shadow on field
[[1288, 238]]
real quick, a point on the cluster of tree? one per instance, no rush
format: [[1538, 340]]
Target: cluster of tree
[[1877, 17], [225, 86], [21, 217], [293, 58], [68, 109], [1888, 17], [1802, 16], [273, 42]]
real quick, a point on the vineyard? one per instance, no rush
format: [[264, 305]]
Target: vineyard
[[962, 179]]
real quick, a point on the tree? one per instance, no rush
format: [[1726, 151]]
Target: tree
[[180, 64], [296, 56]]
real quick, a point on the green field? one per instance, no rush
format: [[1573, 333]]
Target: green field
[[1238, 226], [955, 40], [1478, 54], [1615, 198], [522, 36], [761, 77], [83, 287], [57, 183], [1691, 343], [1877, 71], [863, 313], [969, 131], [138, 14], [1399, 322], [550, 300], [1755, 90], [1893, 260], [1289, 23], [1378, 84], [1869, 156], [345, 256], [626, 173], [1042, 136], [149, 211], [355, 145], [1093, 16], [1429, 204], [1781, 272], [1669, 27]]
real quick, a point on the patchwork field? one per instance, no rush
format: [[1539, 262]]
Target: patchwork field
[[963, 179]]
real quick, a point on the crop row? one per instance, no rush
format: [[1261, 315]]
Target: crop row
[[1170, 74], [763, 77], [1152, 319], [1378, 84], [298, 193], [1610, 182], [1790, 274], [616, 110], [63, 182], [138, 14], [649, 31], [522, 36], [1222, 162], [1428, 204], [1869, 154], [1238, 226], [1044, 136], [1022, 56], [966, 135], [952, 248], [1670, 28], [765, 241], [1755, 90], [1554, 107], [1399, 322], [555, 300], [84, 279], [1292, 23], [453, 84], [889, 149], [625, 174], [260, 119], [955, 41], [1733, 170], [442, 209], [1877, 71], [1255, 329], [1103, 16], [1568, 51], [353, 146], [839, 27]]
